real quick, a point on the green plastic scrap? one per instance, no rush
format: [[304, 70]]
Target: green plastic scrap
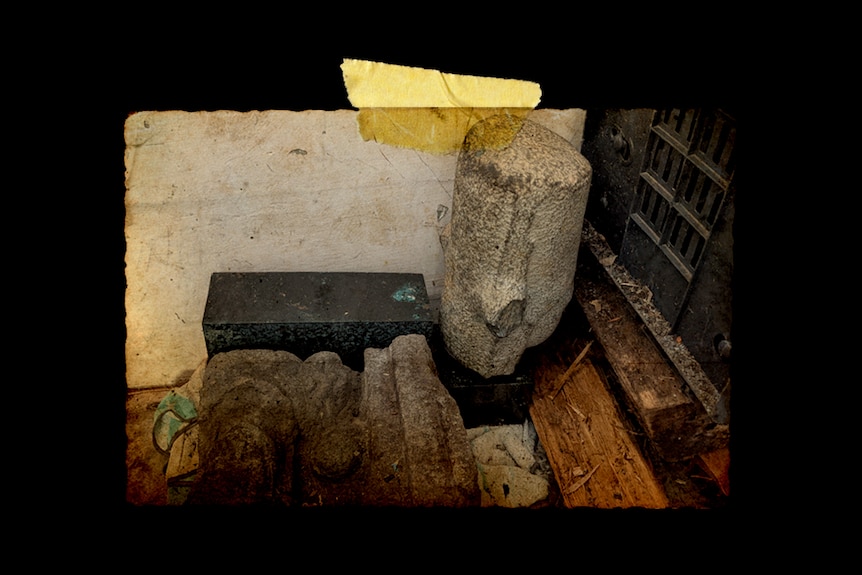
[[174, 414]]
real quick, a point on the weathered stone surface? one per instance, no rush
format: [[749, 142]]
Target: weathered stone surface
[[431, 463], [510, 486], [510, 473], [308, 312], [511, 246], [260, 411], [275, 429]]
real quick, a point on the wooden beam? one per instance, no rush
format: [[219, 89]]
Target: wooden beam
[[595, 461], [675, 421]]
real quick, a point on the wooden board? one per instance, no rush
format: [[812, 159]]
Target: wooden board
[[595, 461], [676, 423]]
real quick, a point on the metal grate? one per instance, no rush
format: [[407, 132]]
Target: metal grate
[[687, 171]]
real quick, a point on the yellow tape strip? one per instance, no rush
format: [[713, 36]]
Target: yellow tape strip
[[426, 109]]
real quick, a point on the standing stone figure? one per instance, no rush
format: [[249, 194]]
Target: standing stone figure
[[512, 244]]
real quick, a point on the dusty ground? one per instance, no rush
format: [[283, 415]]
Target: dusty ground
[[145, 484]]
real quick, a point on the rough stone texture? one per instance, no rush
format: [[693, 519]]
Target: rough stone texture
[[510, 486], [308, 312], [511, 246], [277, 430], [419, 444], [513, 468]]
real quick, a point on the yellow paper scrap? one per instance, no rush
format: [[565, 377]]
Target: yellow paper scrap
[[426, 109]]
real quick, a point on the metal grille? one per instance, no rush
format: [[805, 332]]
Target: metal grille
[[688, 168]]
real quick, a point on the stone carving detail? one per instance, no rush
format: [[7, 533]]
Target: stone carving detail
[[512, 244], [278, 430]]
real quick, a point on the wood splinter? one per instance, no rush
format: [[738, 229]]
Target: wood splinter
[[565, 377], [583, 481], [577, 411]]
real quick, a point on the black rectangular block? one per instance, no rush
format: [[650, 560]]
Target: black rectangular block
[[308, 312], [497, 400]]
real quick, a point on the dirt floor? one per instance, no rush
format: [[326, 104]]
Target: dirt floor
[[145, 484]]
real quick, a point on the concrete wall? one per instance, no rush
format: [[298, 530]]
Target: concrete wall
[[269, 191]]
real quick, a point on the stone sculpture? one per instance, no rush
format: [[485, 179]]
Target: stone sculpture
[[278, 430], [512, 244]]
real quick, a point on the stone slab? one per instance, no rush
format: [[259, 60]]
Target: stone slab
[[308, 312]]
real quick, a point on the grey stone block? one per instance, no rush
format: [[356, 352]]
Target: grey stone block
[[308, 312]]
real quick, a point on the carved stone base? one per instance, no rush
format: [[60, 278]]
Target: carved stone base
[[278, 430]]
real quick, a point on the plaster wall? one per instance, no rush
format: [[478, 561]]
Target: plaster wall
[[269, 191]]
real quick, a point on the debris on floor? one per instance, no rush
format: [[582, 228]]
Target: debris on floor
[[595, 461], [717, 466], [513, 467]]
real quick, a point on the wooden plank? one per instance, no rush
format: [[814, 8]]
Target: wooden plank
[[677, 424], [640, 299], [595, 461]]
